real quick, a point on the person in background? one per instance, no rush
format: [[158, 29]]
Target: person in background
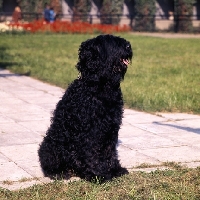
[[47, 13], [52, 15], [16, 16]]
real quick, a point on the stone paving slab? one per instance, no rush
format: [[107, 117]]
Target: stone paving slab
[[178, 116], [168, 35], [133, 117], [156, 127], [12, 172], [26, 106], [154, 141], [19, 138], [17, 185], [132, 158], [173, 154]]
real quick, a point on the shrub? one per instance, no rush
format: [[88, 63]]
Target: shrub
[[33, 5], [111, 11], [183, 15], [145, 15], [1, 5], [81, 10]]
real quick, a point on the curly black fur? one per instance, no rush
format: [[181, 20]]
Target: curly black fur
[[83, 134]]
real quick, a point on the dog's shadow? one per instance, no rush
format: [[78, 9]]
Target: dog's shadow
[[188, 129]]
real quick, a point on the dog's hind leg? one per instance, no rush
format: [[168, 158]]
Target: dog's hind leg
[[115, 167], [105, 171], [51, 161], [99, 165]]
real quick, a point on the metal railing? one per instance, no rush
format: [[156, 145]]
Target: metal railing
[[109, 19], [91, 18]]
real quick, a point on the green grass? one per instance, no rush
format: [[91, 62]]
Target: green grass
[[164, 75], [177, 183]]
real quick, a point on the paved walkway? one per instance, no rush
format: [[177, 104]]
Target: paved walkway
[[25, 109], [167, 35]]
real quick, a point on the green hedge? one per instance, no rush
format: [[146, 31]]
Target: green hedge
[[183, 15], [1, 5], [33, 6], [111, 11], [81, 10], [145, 15]]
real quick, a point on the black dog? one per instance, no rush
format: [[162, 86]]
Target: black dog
[[84, 128]]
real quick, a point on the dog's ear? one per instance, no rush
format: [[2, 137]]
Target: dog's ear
[[89, 56]]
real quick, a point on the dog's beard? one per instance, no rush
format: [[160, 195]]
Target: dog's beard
[[123, 73], [120, 71], [121, 67]]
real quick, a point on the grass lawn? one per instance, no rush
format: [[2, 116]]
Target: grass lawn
[[178, 183], [164, 74]]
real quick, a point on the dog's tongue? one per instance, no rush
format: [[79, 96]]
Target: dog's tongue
[[125, 61]]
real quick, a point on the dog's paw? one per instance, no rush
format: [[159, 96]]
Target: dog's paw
[[120, 172]]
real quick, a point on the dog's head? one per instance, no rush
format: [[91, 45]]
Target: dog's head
[[104, 58]]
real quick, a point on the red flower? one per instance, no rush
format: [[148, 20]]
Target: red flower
[[70, 27]]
